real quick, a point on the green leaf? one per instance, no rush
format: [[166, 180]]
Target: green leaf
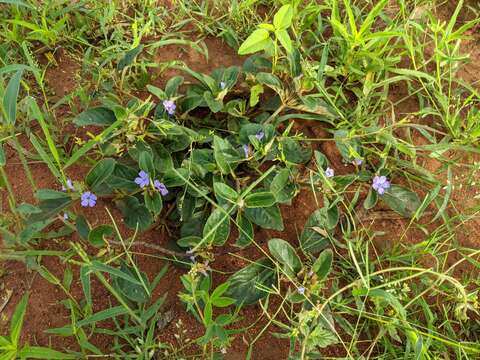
[[103, 315], [371, 199], [16, 322], [27, 209], [260, 199], [217, 227], [255, 92], [100, 172], [294, 152], [283, 17], [97, 235], [214, 104], [258, 40], [145, 162], [16, 2], [37, 352], [10, 97], [225, 192], [49, 194], [129, 57], [314, 235], [134, 214], [281, 186], [286, 255], [284, 38], [225, 155], [82, 227], [267, 218], [401, 200], [245, 284], [98, 116], [245, 231], [153, 202], [172, 86], [132, 291], [323, 264]]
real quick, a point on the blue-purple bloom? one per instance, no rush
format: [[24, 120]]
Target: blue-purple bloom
[[88, 199], [301, 290], [260, 135], [160, 187], [358, 162], [69, 186], [143, 179], [65, 216], [380, 184], [169, 106], [246, 149], [222, 85], [329, 172]]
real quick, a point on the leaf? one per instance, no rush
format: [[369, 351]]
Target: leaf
[[255, 92], [98, 116], [82, 227], [312, 241], [37, 352], [16, 2], [129, 57], [283, 17], [401, 200], [260, 199], [100, 172], [49, 194], [214, 104], [16, 322], [245, 231], [371, 199], [134, 214], [323, 264], [97, 235], [284, 253], [294, 152], [281, 187], [153, 202], [172, 85], [103, 315], [245, 283], [225, 155], [225, 192], [258, 40], [217, 227], [284, 38], [267, 218], [10, 97], [27, 209], [132, 291], [145, 162]]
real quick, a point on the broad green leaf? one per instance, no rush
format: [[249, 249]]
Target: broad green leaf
[[284, 38], [153, 202], [245, 231], [401, 200], [314, 237], [371, 199], [27, 209], [217, 228], [225, 155], [283, 17], [172, 86], [134, 214], [10, 97], [245, 284], [281, 187], [226, 192], [49, 194], [323, 264], [255, 92], [97, 235], [284, 253], [103, 315], [257, 41], [259, 199], [214, 104], [98, 116], [16, 2], [16, 322], [82, 227], [145, 162], [132, 291], [3, 158], [267, 218], [294, 152], [100, 172]]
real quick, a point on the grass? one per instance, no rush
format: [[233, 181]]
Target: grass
[[218, 162]]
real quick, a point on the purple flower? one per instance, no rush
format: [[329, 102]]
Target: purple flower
[[301, 290], [380, 184], [143, 179], [88, 199], [329, 172], [65, 216], [246, 149], [169, 106], [260, 135], [160, 187], [222, 85], [358, 162], [69, 186]]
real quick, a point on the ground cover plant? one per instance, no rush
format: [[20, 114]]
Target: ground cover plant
[[261, 179]]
